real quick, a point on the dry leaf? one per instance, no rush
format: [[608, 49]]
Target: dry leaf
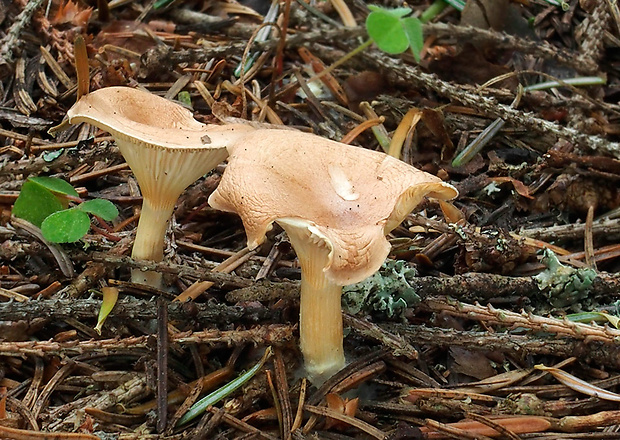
[[348, 407], [70, 12], [581, 386], [519, 186], [517, 425], [110, 296]]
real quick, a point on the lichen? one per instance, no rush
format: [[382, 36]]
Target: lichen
[[386, 293], [564, 286]]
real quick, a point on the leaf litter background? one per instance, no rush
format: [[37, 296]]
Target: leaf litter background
[[449, 333]]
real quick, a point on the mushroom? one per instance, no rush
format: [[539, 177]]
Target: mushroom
[[336, 203], [165, 147]]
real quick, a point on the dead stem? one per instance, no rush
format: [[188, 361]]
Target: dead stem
[[24, 434], [260, 335], [534, 323]]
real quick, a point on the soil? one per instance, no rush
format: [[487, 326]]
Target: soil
[[495, 315]]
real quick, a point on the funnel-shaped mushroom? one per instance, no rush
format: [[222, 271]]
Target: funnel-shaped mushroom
[[336, 203], [165, 147]]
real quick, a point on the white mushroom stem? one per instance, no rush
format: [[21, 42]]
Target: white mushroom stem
[[149, 242], [320, 315], [320, 325]]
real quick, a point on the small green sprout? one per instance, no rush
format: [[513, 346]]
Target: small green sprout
[[185, 98], [44, 202], [160, 4], [598, 317]]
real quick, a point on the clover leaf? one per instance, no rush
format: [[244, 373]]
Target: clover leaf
[[393, 32], [35, 203], [66, 226], [44, 202], [101, 208]]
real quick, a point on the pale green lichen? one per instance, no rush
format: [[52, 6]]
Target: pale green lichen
[[491, 188], [564, 286], [386, 293]]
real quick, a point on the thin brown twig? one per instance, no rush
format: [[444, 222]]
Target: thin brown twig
[[402, 73], [25, 434], [352, 421], [263, 335]]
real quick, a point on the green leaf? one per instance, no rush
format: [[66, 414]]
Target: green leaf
[[459, 5], [413, 30], [161, 4], [393, 32], [66, 226], [386, 30], [199, 407], [55, 185], [396, 12], [100, 207], [35, 203]]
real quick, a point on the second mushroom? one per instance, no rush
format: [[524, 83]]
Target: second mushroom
[[336, 203]]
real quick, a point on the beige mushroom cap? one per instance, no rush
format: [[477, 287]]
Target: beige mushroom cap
[[160, 140], [348, 197], [126, 111]]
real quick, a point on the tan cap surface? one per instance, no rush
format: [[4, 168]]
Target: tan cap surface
[[351, 196], [166, 148]]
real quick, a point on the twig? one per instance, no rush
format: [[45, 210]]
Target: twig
[[352, 421], [501, 40], [126, 392], [467, 287], [592, 30], [396, 342], [12, 39], [220, 280], [535, 323], [100, 152], [64, 263], [455, 432], [606, 227], [241, 425], [588, 247], [595, 351], [164, 56], [299, 413], [134, 309], [400, 73], [49, 388], [283, 393], [262, 335], [162, 365], [25, 434], [343, 374]]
